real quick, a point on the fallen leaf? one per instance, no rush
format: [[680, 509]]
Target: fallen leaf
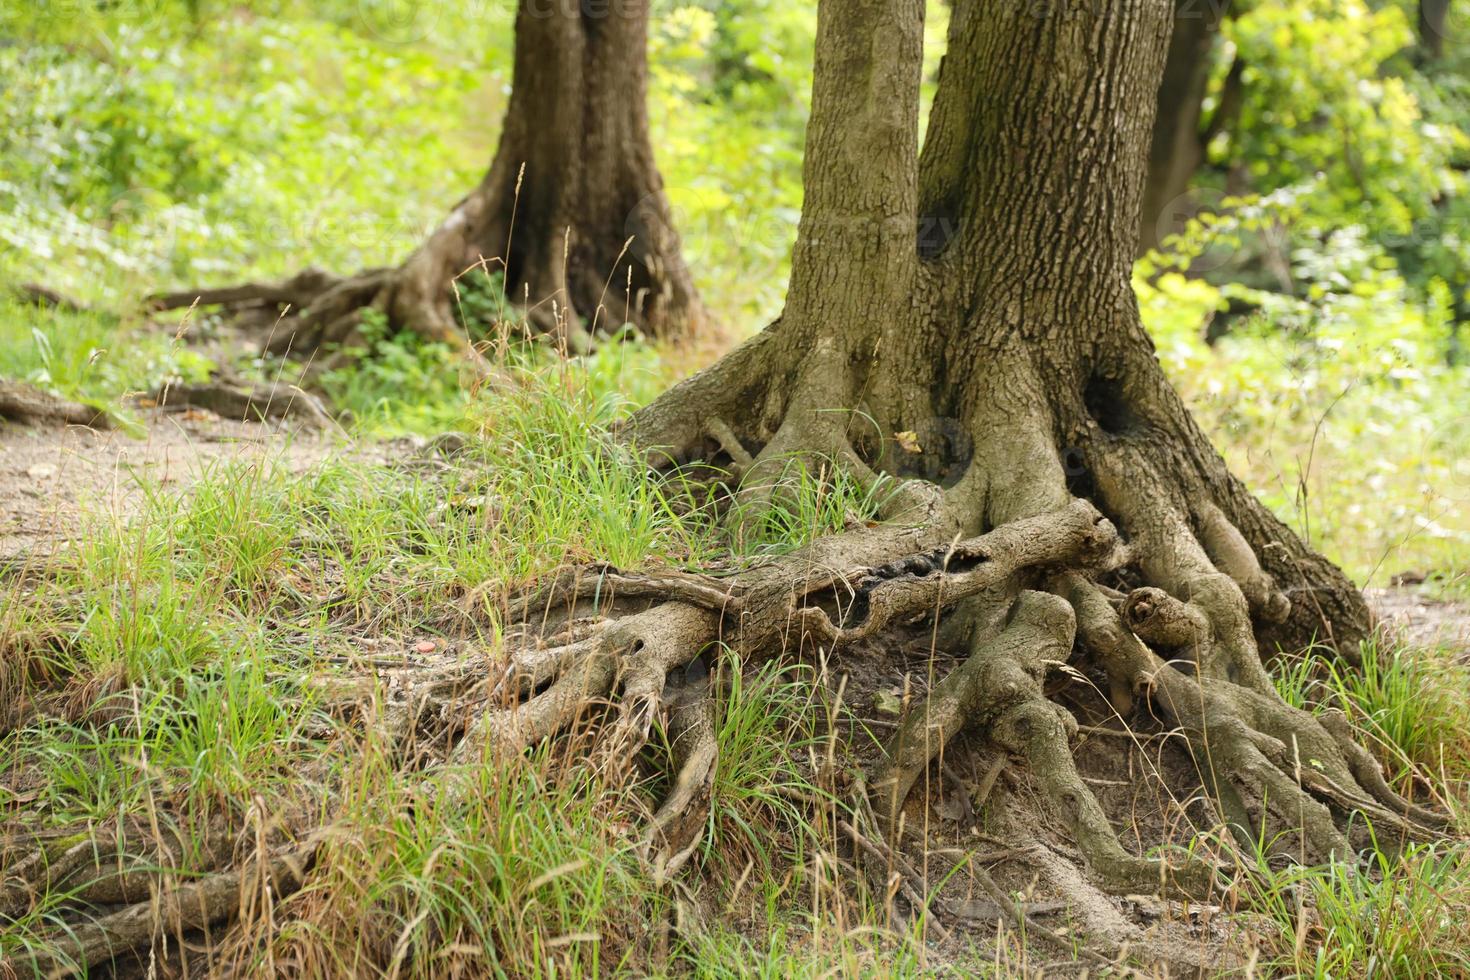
[[908, 442]]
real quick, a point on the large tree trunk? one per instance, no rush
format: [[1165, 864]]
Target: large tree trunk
[[963, 319], [1007, 339], [572, 211]]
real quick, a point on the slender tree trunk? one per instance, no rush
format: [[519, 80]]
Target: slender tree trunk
[[572, 211], [1432, 17], [1177, 147]]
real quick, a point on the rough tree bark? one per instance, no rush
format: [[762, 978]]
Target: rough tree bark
[[998, 364], [961, 320], [572, 210]]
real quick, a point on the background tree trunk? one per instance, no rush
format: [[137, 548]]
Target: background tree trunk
[[573, 205], [1178, 144], [1432, 16], [572, 210]]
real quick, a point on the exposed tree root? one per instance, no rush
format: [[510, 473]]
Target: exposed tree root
[[28, 405], [1023, 924], [209, 900], [40, 295], [316, 315], [677, 828], [248, 401], [1026, 599]]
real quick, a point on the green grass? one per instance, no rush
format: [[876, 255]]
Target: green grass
[[808, 498], [182, 651], [1403, 916], [94, 357], [1408, 705], [524, 869]]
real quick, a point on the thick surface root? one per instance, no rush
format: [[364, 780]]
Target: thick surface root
[[677, 828], [624, 650], [27, 405]]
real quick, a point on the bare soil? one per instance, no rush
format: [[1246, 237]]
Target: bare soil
[[1423, 620], [51, 476]]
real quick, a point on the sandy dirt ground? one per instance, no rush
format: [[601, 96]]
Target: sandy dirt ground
[[50, 477], [1423, 620]]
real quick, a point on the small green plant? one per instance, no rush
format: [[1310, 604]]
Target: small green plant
[[807, 502], [484, 309], [760, 799], [397, 381], [1397, 918]]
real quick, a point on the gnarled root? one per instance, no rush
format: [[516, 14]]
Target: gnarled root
[[198, 904], [1269, 766], [999, 691], [601, 640], [675, 831], [315, 315], [93, 871]]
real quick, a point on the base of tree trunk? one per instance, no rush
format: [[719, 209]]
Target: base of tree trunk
[[567, 284]]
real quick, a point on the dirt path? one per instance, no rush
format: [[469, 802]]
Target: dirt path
[[51, 476], [1424, 621]]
